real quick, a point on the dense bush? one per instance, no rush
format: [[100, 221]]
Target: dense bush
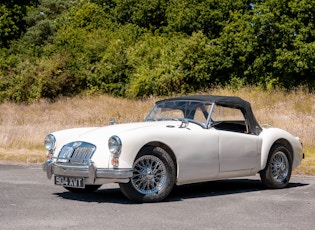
[[136, 48]]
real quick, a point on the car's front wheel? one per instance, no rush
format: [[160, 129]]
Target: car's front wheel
[[153, 177], [278, 170]]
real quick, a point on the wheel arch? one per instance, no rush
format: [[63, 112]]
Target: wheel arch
[[266, 151], [166, 148]]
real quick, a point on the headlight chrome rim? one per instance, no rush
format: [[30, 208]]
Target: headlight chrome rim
[[50, 143], [114, 145]]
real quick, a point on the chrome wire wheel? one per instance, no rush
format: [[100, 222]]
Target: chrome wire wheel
[[150, 175], [279, 165], [277, 172], [154, 176]]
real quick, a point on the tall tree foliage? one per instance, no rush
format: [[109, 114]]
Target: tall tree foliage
[[272, 43], [138, 48], [12, 23], [208, 16]]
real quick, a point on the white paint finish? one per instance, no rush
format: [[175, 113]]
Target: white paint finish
[[238, 151], [270, 135]]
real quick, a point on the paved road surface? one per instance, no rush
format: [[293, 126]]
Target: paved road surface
[[28, 200]]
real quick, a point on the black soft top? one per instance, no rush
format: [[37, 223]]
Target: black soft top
[[226, 101]]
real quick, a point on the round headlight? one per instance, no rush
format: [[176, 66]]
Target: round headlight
[[50, 142], [114, 145]]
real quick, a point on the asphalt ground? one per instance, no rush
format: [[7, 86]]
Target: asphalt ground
[[28, 200]]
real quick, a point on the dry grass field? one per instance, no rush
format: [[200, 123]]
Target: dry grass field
[[23, 127]]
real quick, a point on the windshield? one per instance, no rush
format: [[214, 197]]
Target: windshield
[[194, 111]]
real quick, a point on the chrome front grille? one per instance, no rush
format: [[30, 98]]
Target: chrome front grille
[[82, 152], [76, 153]]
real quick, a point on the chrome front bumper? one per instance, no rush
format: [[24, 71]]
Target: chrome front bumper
[[89, 172]]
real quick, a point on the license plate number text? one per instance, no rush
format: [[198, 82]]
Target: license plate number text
[[69, 181]]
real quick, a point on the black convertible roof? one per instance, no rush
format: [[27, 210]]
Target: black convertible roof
[[226, 101], [219, 100]]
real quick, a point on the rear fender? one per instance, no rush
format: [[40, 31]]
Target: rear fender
[[273, 136]]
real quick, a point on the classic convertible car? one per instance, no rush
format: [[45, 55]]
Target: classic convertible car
[[183, 140]]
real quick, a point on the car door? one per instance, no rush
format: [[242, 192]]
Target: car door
[[239, 151], [197, 151]]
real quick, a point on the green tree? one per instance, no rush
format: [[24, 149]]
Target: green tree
[[153, 60], [41, 21], [112, 72], [148, 14], [12, 23], [208, 16], [138, 48], [271, 44]]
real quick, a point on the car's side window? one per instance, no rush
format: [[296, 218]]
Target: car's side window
[[229, 119], [221, 113]]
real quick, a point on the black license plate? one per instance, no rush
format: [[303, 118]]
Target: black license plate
[[74, 182]]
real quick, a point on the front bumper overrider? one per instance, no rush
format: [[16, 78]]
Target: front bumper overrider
[[88, 171]]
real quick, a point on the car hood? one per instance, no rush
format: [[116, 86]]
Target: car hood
[[100, 135], [131, 127], [115, 129]]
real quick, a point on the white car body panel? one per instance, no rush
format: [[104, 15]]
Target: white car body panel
[[271, 135], [239, 151]]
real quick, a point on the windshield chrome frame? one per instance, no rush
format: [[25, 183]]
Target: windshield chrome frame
[[209, 121]]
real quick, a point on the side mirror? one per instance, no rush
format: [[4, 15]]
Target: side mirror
[[112, 121]]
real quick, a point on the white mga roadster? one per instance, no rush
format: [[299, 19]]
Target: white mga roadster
[[183, 140]]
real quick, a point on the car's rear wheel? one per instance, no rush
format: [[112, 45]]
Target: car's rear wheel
[[278, 170], [153, 177], [87, 189]]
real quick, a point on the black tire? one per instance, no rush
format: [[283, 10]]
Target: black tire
[[277, 172], [154, 176], [87, 189]]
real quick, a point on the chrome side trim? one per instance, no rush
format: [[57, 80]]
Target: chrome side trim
[[88, 171]]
